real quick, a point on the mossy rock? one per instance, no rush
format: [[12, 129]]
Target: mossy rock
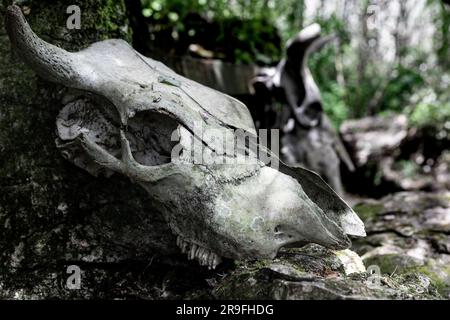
[[368, 210], [283, 279], [439, 275], [393, 263]]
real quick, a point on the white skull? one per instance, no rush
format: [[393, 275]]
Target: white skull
[[123, 117]]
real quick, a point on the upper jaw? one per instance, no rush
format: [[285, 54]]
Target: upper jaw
[[202, 254]]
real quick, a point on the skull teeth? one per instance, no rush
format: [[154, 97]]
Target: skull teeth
[[203, 255]]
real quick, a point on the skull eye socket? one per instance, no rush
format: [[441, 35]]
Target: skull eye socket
[[310, 115], [150, 135], [314, 110]]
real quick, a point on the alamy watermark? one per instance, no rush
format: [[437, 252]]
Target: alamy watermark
[[209, 146], [73, 282], [74, 20], [372, 15], [374, 279]]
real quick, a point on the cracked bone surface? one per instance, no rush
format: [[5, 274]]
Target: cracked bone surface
[[121, 114]]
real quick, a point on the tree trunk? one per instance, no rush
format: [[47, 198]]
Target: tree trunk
[[53, 214]]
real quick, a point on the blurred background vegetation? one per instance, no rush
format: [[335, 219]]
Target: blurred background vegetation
[[390, 56]]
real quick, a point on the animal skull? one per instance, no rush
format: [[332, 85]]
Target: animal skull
[[309, 138], [122, 117]]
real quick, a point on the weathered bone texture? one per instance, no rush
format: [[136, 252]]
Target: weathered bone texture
[[309, 138], [120, 117]]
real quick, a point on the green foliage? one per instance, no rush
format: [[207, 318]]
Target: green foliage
[[425, 114], [362, 87], [408, 168], [322, 63], [353, 80], [323, 67], [246, 25], [399, 88], [334, 104], [252, 35], [442, 36]]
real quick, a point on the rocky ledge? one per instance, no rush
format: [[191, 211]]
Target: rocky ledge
[[406, 255]]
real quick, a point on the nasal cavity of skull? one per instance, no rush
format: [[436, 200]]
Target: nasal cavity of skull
[[149, 134]]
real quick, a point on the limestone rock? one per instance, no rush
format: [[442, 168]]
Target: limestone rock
[[408, 232], [372, 137], [391, 156]]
